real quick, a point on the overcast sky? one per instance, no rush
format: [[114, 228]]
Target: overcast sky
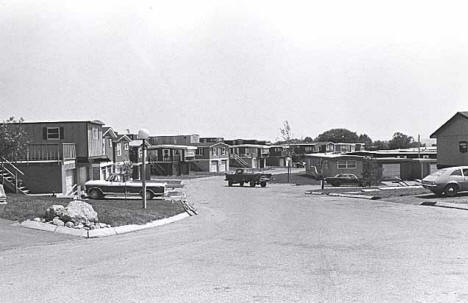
[[236, 69]]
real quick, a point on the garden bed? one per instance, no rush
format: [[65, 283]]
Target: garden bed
[[113, 212]]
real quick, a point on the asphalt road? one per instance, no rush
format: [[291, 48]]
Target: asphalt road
[[271, 244]]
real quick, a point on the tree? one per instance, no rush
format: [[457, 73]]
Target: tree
[[400, 140], [363, 138], [379, 145], [286, 134], [308, 140], [13, 139], [338, 135]]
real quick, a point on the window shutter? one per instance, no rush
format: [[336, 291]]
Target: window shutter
[[61, 133], [44, 133]]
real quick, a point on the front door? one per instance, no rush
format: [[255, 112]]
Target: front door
[[464, 185]]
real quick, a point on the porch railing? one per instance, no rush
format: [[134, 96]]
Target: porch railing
[[49, 152]]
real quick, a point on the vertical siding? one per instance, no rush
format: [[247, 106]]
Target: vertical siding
[[94, 140], [448, 153], [74, 132]]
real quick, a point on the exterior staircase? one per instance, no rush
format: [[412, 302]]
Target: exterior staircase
[[10, 177], [238, 161]]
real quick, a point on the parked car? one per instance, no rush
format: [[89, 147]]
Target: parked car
[[241, 176], [341, 179], [116, 184], [447, 181]]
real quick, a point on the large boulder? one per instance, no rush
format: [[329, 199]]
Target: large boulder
[[81, 212], [55, 211]]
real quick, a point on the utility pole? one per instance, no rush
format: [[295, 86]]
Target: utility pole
[[419, 156], [143, 134]]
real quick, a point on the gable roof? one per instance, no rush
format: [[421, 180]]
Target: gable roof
[[107, 130], [458, 114], [120, 137]]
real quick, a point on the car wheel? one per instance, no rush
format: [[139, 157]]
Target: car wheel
[[252, 184], [229, 183], [149, 195], [95, 194], [241, 183], [451, 190], [263, 184]]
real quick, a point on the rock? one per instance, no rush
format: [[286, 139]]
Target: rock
[[69, 224], [37, 219], [54, 211], [79, 226], [43, 220], [58, 222], [102, 225], [81, 212]]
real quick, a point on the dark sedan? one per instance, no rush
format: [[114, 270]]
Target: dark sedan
[[342, 179]]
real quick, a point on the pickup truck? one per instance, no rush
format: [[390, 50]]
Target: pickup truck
[[116, 184], [241, 176]]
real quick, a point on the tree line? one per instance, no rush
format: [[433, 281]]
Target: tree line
[[343, 135]]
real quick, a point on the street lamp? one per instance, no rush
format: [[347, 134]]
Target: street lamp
[[143, 134]]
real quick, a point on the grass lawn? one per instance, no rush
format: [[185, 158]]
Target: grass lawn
[[113, 212], [295, 178]]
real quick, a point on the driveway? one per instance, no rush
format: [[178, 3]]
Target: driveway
[[271, 244]]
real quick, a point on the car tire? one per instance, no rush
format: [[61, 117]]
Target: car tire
[[95, 194], [241, 183], [229, 183], [252, 184], [149, 195], [263, 184], [451, 190]]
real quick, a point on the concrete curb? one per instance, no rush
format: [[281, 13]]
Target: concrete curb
[[102, 232], [354, 196], [447, 205]]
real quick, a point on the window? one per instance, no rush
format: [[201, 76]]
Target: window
[[341, 164], [463, 146], [166, 154], [457, 172], [346, 164], [53, 133], [199, 151], [119, 149], [126, 146], [465, 172]]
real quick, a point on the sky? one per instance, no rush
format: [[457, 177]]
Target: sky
[[236, 69]]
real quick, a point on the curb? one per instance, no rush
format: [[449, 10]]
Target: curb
[[446, 205], [102, 232], [354, 196]]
